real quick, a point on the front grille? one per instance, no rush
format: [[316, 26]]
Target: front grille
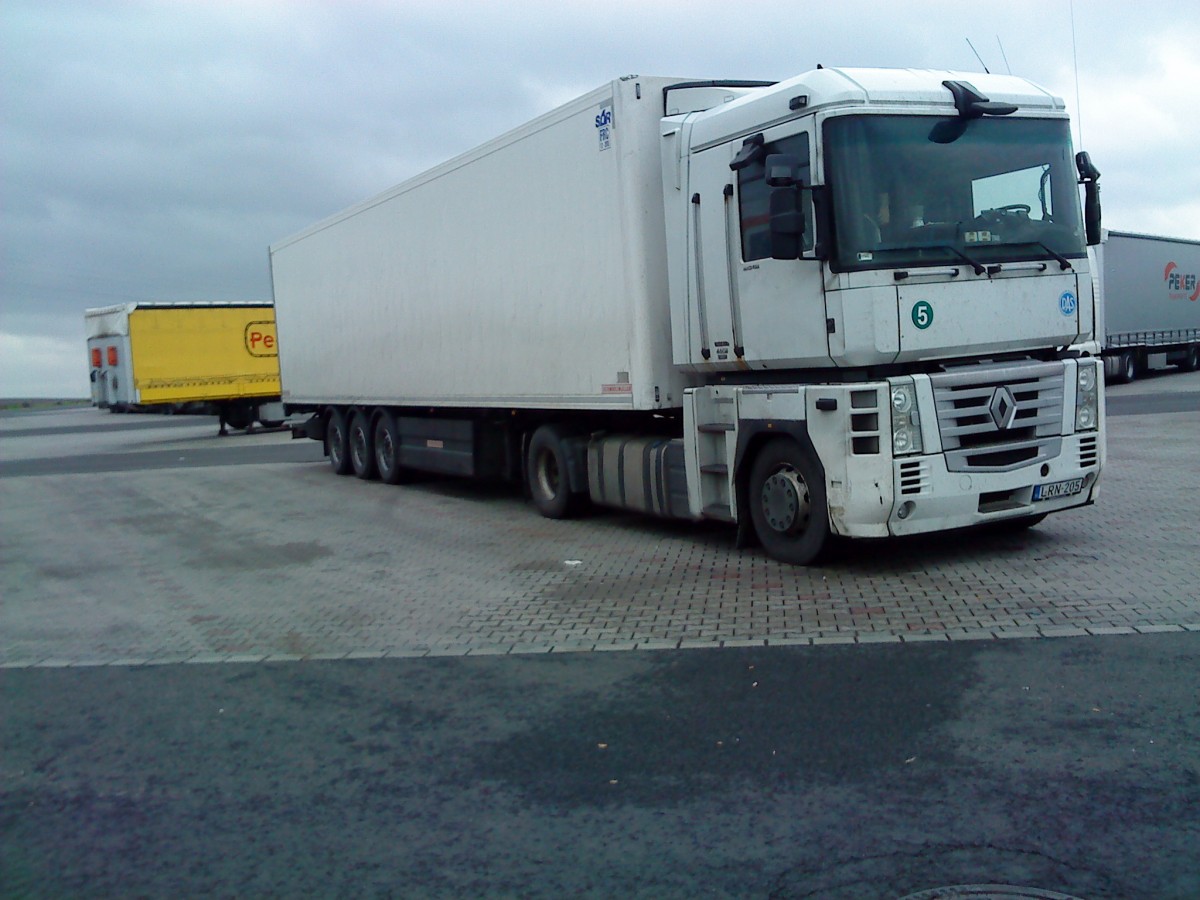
[[999, 418]]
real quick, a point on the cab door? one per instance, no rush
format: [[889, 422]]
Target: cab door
[[779, 303], [714, 323]]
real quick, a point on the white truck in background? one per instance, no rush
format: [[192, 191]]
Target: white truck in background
[[838, 305], [1148, 297]]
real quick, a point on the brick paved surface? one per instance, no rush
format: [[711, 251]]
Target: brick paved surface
[[221, 562]]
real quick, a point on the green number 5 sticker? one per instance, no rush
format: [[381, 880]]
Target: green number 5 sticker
[[922, 314]]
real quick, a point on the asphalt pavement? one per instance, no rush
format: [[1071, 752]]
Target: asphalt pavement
[[1066, 765], [1041, 766]]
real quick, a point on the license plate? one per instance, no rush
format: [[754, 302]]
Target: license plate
[[1058, 489]]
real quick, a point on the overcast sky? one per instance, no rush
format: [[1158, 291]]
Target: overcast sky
[[154, 150]]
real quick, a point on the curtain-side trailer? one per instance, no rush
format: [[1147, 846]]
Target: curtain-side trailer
[[1149, 302], [839, 305], [223, 356]]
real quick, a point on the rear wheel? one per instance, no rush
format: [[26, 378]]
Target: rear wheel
[[387, 451], [1191, 359], [787, 503], [239, 416], [546, 469], [338, 443], [362, 446], [1128, 368]]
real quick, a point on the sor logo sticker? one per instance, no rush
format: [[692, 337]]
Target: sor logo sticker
[[1067, 303], [604, 124]]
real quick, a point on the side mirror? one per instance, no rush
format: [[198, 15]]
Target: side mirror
[[1089, 176], [786, 218], [785, 212], [782, 170]]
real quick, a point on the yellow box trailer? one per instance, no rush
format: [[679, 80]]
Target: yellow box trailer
[[168, 355]]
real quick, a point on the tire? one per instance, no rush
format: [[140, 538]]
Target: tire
[[362, 446], [239, 416], [546, 471], [786, 493], [387, 451], [1191, 359], [271, 423], [1128, 368], [337, 443]]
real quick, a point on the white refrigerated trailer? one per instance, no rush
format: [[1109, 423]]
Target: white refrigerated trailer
[[839, 305], [1149, 302]]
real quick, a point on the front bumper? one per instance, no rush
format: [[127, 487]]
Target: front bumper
[[928, 497]]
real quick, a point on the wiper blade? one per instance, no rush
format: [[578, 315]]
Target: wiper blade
[[1063, 262], [979, 269]]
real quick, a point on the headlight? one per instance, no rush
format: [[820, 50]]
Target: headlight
[[1087, 396], [906, 423]]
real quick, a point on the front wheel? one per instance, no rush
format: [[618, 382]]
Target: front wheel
[[786, 494]]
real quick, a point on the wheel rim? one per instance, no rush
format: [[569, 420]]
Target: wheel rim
[[386, 450], [547, 474], [785, 501], [335, 444], [359, 447]]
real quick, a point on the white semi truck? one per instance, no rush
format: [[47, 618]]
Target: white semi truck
[[1148, 295], [838, 305]]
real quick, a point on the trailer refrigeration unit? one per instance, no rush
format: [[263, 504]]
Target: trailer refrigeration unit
[[1149, 302], [164, 356], [836, 305]]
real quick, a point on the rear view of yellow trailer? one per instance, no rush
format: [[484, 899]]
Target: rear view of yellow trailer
[[167, 355]]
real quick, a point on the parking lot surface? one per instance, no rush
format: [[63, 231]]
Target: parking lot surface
[[143, 539]]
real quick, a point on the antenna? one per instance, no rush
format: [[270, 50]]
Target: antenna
[[1075, 62], [977, 56], [1005, 55]]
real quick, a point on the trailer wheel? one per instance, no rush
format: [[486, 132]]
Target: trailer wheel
[[362, 447], [787, 503], [239, 416], [546, 469], [1191, 359], [387, 451], [1128, 368], [337, 443]]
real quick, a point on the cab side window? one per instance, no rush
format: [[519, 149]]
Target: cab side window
[[753, 196]]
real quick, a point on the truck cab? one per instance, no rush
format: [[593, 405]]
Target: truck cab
[[879, 273]]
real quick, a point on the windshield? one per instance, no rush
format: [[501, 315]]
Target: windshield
[[916, 190]]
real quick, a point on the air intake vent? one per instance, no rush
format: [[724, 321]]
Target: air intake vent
[[914, 477], [1089, 451], [864, 422]]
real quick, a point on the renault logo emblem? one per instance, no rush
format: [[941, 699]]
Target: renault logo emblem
[[1002, 408]]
